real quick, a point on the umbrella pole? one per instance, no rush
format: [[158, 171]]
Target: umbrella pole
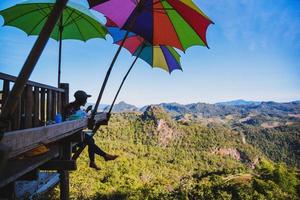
[[91, 119], [61, 28], [34, 55], [137, 10], [107, 76], [125, 77]]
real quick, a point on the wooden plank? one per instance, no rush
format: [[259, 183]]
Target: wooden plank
[[36, 110], [65, 96], [43, 106], [60, 165], [29, 107], [11, 78], [21, 141], [49, 105]]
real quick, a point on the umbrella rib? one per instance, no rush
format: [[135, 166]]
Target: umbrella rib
[[25, 14], [73, 20], [41, 11], [30, 32], [70, 14], [78, 29]]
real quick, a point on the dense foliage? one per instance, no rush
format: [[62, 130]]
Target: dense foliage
[[184, 161]]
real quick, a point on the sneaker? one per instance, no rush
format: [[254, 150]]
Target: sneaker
[[93, 165], [109, 157]]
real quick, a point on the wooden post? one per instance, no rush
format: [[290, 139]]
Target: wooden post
[[36, 110], [5, 91], [43, 106], [34, 55], [65, 154], [23, 108], [28, 107], [64, 184], [49, 105], [16, 123], [54, 104], [5, 94], [59, 103], [64, 96]]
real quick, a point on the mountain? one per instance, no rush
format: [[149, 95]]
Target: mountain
[[122, 107], [239, 102]]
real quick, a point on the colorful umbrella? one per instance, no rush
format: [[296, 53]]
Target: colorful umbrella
[[76, 22], [164, 57], [179, 24]]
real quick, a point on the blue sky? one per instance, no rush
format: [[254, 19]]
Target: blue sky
[[254, 55]]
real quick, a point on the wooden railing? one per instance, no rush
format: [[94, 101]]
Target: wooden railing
[[38, 105]]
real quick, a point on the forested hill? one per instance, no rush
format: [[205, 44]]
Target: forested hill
[[162, 157]]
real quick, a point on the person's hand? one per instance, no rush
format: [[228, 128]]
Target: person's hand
[[89, 108]]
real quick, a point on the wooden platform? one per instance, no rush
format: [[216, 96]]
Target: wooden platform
[[21, 141], [16, 168]]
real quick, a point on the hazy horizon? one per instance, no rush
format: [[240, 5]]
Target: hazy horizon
[[140, 106]]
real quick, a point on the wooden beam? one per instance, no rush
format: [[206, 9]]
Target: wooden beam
[[69, 165]]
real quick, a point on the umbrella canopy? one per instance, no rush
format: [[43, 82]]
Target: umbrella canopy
[[164, 57], [179, 24], [77, 21]]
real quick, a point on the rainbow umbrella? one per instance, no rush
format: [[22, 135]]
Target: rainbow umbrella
[[161, 56], [179, 24]]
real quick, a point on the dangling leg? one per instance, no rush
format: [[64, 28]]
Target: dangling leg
[[91, 143], [95, 149]]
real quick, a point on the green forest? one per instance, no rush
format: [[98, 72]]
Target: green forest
[[161, 158]]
